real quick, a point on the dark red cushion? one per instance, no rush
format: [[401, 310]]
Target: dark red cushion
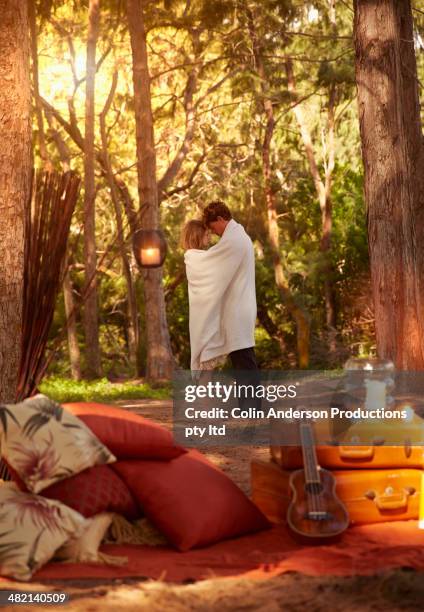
[[190, 501], [98, 489], [126, 434]]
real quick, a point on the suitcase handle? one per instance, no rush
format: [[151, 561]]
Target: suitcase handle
[[392, 501], [356, 452]]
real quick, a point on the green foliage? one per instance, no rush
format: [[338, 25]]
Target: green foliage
[[66, 390]]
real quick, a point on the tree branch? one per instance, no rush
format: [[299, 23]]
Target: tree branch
[[190, 181], [304, 132], [190, 127]]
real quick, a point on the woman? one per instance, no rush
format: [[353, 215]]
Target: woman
[[204, 339], [195, 235]]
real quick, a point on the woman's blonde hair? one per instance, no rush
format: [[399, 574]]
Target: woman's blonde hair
[[193, 235]]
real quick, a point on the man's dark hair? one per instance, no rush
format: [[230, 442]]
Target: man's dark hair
[[214, 210]]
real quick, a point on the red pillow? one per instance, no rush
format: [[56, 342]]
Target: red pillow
[[95, 490], [191, 501], [126, 434]]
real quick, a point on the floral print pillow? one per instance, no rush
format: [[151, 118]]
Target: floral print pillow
[[44, 443], [32, 529]]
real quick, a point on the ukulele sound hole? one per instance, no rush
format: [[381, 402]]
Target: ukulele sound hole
[[314, 488]]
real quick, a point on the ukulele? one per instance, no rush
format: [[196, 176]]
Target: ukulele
[[315, 512]]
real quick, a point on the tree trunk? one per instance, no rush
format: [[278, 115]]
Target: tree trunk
[[393, 156], [300, 318], [323, 191], [15, 183], [273, 331], [326, 207], [91, 315], [160, 361], [71, 328], [71, 324], [36, 88], [68, 296], [133, 332]]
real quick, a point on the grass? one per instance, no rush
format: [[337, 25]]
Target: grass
[[102, 390]]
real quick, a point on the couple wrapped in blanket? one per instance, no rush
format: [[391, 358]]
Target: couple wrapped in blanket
[[221, 288]]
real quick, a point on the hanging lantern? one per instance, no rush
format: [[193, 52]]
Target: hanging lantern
[[149, 248]]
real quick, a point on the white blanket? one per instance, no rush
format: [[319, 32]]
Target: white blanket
[[222, 297]]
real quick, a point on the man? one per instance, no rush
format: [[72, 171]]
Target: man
[[240, 299]]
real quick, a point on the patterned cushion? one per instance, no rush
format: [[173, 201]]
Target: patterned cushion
[[95, 490], [85, 548], [44, 443], [32, 529]]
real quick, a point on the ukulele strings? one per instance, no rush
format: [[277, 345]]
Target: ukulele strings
[[314, 493], [310, 492], [314, 496], [310, 500]]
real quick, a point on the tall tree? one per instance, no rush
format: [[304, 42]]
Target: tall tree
[[41, 138], [393, 156], [15, 183], [133, 331], [65, 158], [67, 286], [160, 361], [322, 186], [295, 310], [71, 325], [91, 318]]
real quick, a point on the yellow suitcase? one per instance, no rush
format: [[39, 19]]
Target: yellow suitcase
[[370, 496]]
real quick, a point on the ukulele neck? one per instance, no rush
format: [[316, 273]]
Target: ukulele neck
[[310, 461]]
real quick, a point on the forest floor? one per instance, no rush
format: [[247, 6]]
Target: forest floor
[[388, 591]]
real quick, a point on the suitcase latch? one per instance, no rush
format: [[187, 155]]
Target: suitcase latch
[[391, 500]]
